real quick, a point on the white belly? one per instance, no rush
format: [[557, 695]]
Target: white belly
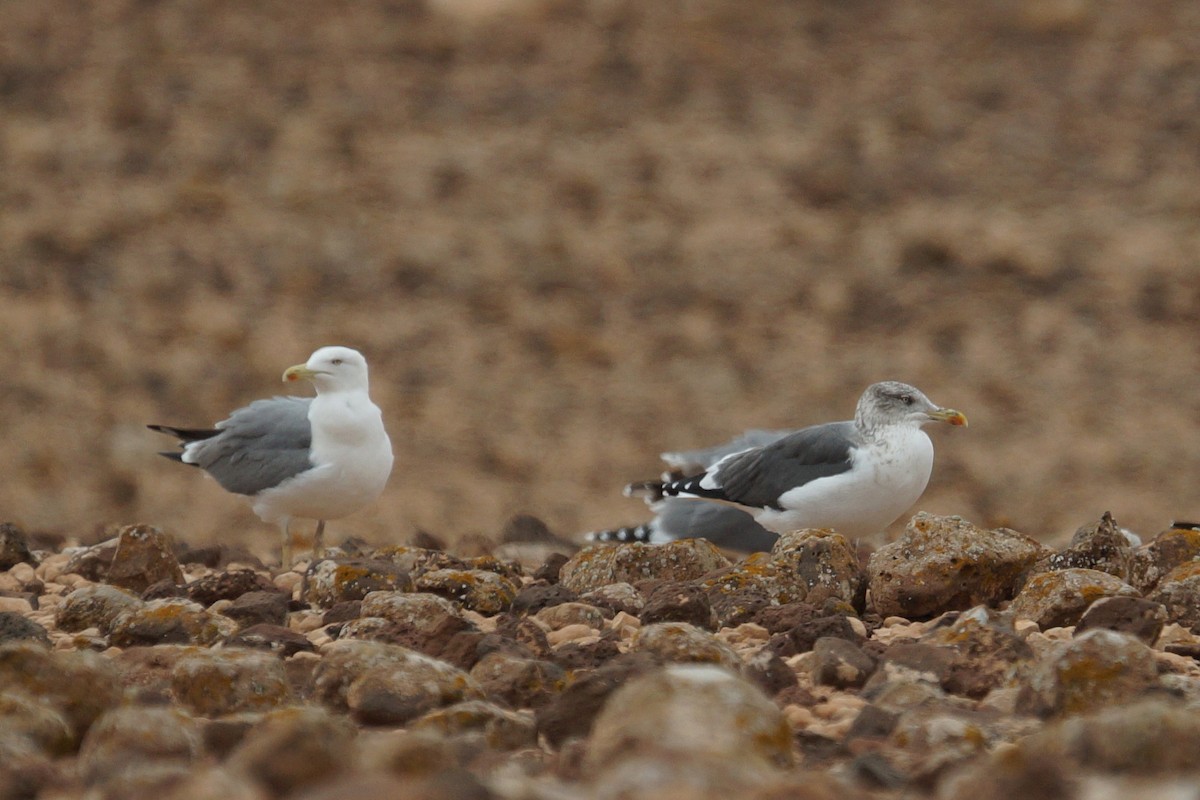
[[882, 485]]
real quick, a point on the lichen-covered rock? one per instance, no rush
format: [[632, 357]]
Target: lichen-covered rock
[[1096, 669], [698, 712], [1170, 549], [169, 621], [215, 682], [983, 649], [679, 642], [501, 729], [600, 565], [1133, 615], [92, 562], [812, 566], [229, 585], [839, 663], [144, 556], [81, 685], [94, 606], [488, 593], [1058, 599], [571, 613], [802, 637], [1179, 592], [134, 735], [16, 627], [416, 561], [519, 681], [407, 687], [616, 597], [1099, 546], [295, 747], [946, 564], [931, 739], [14, 547], [338, 580]]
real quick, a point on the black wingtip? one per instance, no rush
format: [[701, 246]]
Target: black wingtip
[[650, 491], [1181, 525], [174, 456]]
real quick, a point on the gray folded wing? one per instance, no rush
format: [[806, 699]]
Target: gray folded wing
[[758, 477], [258, 447]]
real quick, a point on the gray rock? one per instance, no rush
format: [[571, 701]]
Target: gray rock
[[94, 606], [211, 683], [1170, 549], [983, 649], [946, 563], [600, 565], [1059, 598], [144, 556], [1179, 593], [38, 721], [571, 613], [681, 643], [518, 681], [616, 597], [258, 608], [419, 611], [1096, 669], [699, 713], [488, 593]]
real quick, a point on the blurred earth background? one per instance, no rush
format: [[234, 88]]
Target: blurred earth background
[[570, 234]]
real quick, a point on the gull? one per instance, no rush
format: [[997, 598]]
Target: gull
[[856, 477], [320, 458]]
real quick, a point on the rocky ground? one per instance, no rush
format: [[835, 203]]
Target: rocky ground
[[956, 662]]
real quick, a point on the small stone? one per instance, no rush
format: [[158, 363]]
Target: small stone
[[169, 621], [697, 712], [983, 647], [1058, 599], [600, 565], [679, 642], [338, 580], [229, 586], [1170, 549], [296, 747], [551, 567], [1133, 615], [801, 638], [15, 627], [38, 721], [92, 563], [258, 608], [211, 683], [144, 556], [501, 729], [841, 664], [485, 592], [1096, 669], [946, 563]]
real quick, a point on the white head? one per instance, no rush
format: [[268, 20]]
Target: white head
[[332, 369], [895, 403]]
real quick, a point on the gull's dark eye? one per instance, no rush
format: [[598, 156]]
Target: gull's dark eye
[[337, 361], [907, 399]]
